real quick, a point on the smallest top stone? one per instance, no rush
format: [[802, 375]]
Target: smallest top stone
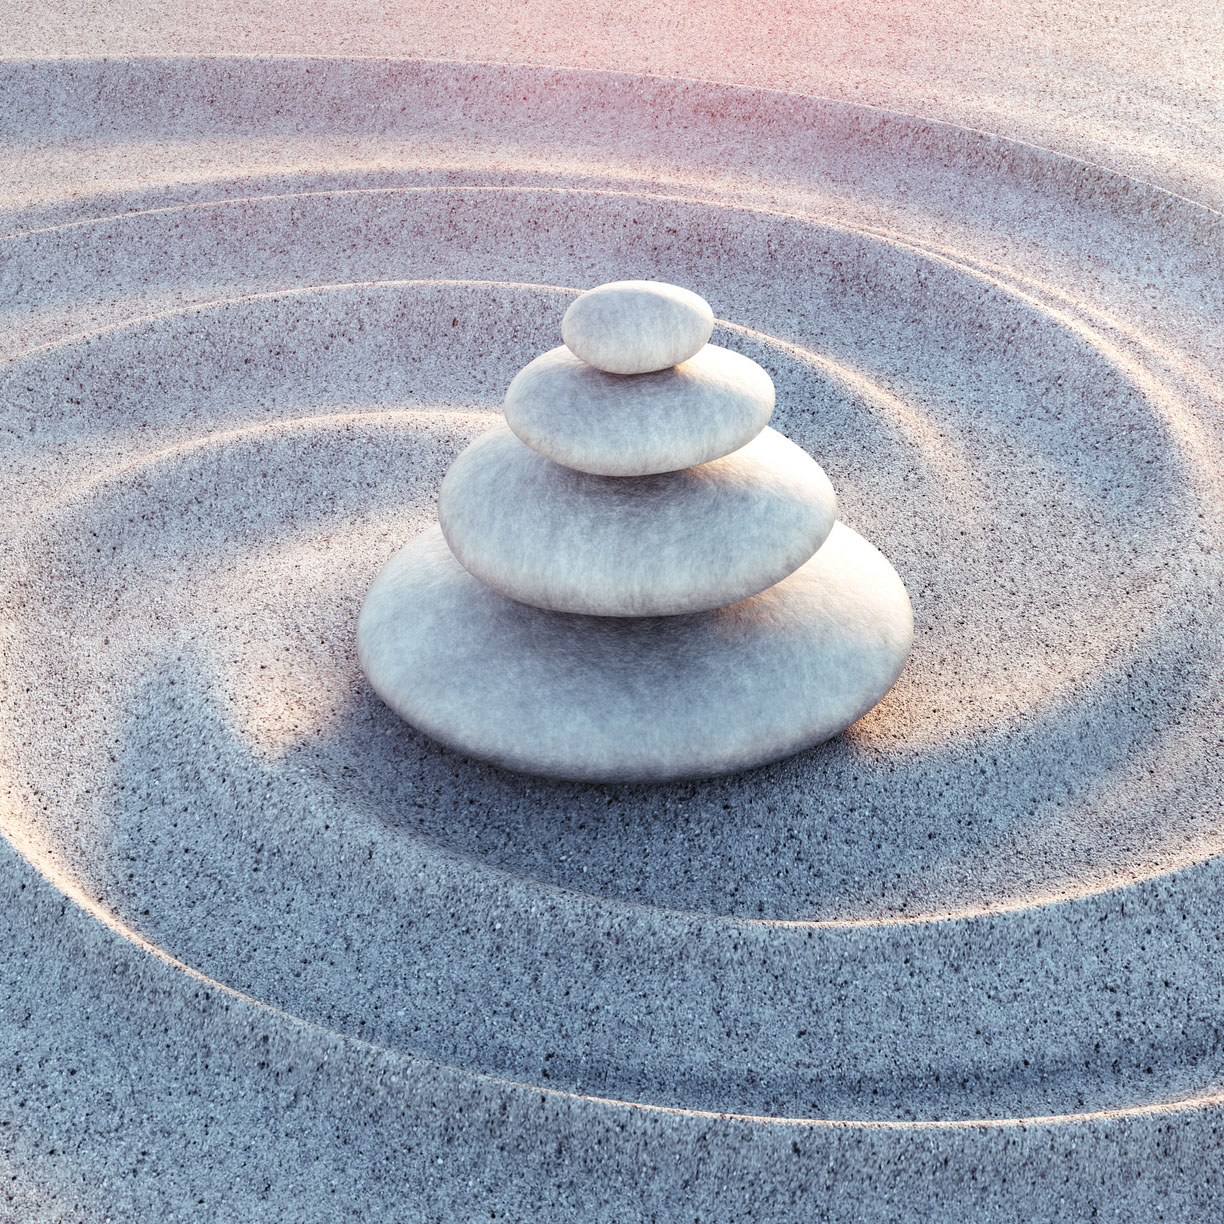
[[636, 327]]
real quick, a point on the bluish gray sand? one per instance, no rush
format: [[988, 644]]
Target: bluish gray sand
[[268, 954]]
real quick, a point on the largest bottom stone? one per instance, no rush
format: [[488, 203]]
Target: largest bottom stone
[[617, 699]]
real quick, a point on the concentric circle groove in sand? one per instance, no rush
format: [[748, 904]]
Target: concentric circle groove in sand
[[909, 840]]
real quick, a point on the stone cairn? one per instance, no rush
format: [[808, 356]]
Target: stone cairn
[[634, 578]]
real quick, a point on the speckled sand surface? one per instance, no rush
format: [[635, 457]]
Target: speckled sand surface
[[267, 954]]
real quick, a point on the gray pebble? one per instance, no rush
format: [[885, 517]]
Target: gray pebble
[[634, 327], [635, 425], [634, 545], [612, 698]]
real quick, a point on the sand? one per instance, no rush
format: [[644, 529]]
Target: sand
[[269, 954]]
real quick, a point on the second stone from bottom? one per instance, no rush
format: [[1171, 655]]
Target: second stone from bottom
[[671, 543]]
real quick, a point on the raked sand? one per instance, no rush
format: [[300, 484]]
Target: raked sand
[[267, 953]]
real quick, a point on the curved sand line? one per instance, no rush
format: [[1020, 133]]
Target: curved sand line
[[65, 884], [833, 369], [230, 435]]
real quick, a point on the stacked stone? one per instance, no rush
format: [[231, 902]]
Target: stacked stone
[[634, 577]]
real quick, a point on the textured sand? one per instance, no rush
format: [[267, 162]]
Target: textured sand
[[269, 954]]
